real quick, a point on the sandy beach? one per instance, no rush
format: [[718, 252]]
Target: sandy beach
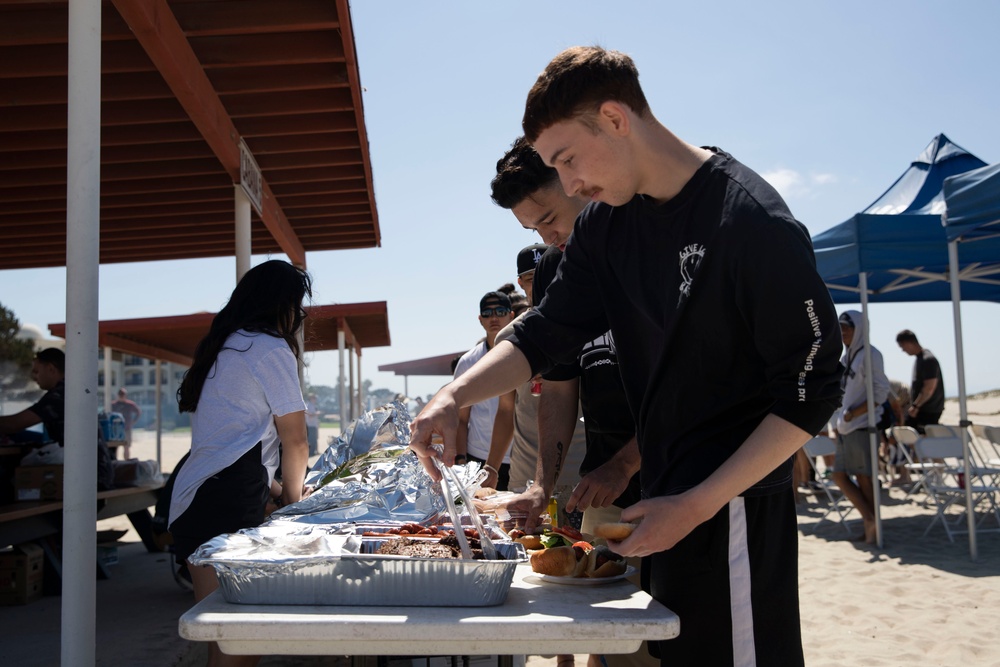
[[918, 600]]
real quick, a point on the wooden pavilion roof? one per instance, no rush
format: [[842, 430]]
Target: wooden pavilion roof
[[183, 81], [175, 338], [442, 364]]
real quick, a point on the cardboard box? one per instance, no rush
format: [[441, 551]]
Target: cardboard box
[[21, 574], [38, 482], [107, 554]]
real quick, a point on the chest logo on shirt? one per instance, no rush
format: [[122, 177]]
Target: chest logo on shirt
[[690, 258]]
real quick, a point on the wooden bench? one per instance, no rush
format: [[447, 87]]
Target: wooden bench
[[27, 521]]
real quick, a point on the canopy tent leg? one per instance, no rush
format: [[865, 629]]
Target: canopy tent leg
[[963, 416], [873, 440]]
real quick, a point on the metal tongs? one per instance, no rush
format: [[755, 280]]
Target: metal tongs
[[450, 478]]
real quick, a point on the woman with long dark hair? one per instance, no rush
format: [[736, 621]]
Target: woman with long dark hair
[[244, 397]]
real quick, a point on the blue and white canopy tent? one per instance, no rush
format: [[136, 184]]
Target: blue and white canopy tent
[[896, 250], [972, 221]]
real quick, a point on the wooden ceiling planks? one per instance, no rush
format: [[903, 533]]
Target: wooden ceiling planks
[[182, 82]]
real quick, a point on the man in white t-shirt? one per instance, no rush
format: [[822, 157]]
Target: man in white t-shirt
[[312, 424], [477, 439]]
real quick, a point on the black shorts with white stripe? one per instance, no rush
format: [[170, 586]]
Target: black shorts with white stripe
[[734, 584]]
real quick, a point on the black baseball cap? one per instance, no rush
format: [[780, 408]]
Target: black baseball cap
[[527, 258], [494, 299]]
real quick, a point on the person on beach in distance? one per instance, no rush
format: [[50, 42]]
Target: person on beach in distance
[[130, 412], [477, 438], [927, 385], [727, 342], [854, 456], [244, 395], [312, 424]]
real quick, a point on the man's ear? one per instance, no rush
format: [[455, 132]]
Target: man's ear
[[615, 117]]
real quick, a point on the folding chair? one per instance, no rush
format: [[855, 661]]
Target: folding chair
[[945, 486], [984, 468], [819, 446], [942, 431], [906, 439], [989, 443]]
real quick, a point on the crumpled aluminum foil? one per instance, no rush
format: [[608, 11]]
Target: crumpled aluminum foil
[[368, 475], [277, 544], [311, 552]]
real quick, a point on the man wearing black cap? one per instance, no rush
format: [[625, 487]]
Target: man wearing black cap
[[527, 260], [475, 423]]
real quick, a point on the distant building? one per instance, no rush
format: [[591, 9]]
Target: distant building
[[137, 375]]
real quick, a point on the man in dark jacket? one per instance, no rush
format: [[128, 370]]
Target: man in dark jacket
[[727, 341]]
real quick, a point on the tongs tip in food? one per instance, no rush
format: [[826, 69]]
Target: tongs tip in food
[[450, 477]]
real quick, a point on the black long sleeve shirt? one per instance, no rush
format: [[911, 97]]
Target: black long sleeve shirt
[[718, 314]]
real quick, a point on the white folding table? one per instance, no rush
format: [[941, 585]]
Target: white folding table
[[537, 618]]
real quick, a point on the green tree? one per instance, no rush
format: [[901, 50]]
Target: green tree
[[15, 353]]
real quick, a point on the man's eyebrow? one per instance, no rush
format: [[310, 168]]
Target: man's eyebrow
[[555, 156]]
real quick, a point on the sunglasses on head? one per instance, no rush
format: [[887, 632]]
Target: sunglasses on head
[[498, 311]]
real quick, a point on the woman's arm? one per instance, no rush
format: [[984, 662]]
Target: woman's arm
[[294, 454]]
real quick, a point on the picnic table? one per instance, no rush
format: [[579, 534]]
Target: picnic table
[[537, 618], [35, 520]]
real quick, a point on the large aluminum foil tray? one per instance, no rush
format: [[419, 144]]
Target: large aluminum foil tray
[[369, 579]]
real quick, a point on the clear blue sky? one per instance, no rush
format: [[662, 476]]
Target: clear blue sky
[[828, 100]]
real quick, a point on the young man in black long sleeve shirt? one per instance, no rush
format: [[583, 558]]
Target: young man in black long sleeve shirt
[[727, 341]]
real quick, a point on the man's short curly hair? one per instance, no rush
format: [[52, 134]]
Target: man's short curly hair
[[520, 174], [577, 82]]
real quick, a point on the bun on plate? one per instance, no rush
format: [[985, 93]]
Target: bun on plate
[[614, 531], [556, 561], [530, 541]]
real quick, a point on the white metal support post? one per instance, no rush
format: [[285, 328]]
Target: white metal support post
[[159, 414], [341, 393], [350, 367], [361, 387], [963, 415], [242, 223], [83, 230], [108, 384]]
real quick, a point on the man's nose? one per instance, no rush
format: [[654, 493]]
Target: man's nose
[[571, 185]]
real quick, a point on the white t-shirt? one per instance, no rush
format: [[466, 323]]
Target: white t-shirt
[[482, 414], [255, 379], [312, 414]]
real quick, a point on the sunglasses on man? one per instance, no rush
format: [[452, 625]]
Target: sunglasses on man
[[497, 311]]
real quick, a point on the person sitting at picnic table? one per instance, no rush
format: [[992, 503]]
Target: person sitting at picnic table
[[48, 371], [244, 396]]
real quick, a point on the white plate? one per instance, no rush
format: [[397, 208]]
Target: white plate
[[580, 581]]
